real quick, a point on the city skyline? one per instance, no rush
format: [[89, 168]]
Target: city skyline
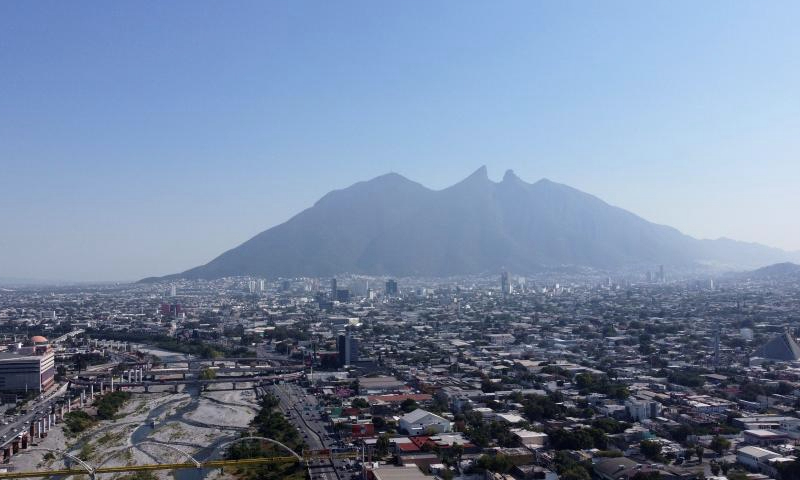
[[361, 240], [143, 143]]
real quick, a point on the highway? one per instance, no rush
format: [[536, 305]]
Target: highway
[[35, 408]]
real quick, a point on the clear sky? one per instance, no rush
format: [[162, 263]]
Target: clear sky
[[144, 138]]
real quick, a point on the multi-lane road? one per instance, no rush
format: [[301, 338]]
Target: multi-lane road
[[13, 426], [301, 409]]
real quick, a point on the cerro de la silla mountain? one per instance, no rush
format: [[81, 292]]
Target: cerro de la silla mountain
[[393, 226]]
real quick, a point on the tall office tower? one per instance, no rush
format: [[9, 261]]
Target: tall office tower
[[173, 291], [251, 286], [334, 288], [661, 277], [348, 349], [262, 285], [391, 288], [505, 285], [342, 295], [716, 344]]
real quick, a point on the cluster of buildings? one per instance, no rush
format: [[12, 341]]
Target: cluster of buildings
[[536, 377]]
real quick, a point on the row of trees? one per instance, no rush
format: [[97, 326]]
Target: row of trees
[[107, 407], [269, 423]]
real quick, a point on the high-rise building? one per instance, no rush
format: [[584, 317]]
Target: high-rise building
[[348, 349], [661, 277], [262, 285], [167, 309], [716, 344], [505, 284], [173, 291], [334, 288], [359, 287], [391, 288], [342, 295]]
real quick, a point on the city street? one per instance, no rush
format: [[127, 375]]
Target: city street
[[301, 409], [35, 409]]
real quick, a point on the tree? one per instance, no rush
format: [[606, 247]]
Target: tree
[[575, 473], [699, 450], [719, 444], [355, 386], [537, 408], [108, 404], [208, 373], [714, 468], [409, 405], [738, 475], [382, 445], [569, 469], [495, 463], [457, 450], [379, 423], [580, 439], [452, 456], [647, 476], [790, 470], [650, 449], [359, 402]]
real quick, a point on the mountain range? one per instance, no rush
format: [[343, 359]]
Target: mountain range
[[778, 271], [391, 225]]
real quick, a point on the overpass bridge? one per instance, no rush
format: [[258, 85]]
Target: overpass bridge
[[204, 383], [68, 335]]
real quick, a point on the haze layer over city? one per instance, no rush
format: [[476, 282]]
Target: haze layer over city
[[400, 241]]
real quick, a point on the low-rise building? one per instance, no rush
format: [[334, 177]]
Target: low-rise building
[[27, 368], [753, 457], [421, 421]]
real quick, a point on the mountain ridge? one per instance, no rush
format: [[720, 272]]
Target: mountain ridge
[[776, 271], [391, 225]]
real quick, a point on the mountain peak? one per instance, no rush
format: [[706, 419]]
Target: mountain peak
[[478, 178], [391, 177], [481, 173], [510, 176], [393, 225]]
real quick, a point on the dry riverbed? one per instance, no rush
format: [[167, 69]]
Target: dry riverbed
[[184, 422]]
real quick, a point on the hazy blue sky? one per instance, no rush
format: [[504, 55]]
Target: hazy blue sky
[[143, 138]]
